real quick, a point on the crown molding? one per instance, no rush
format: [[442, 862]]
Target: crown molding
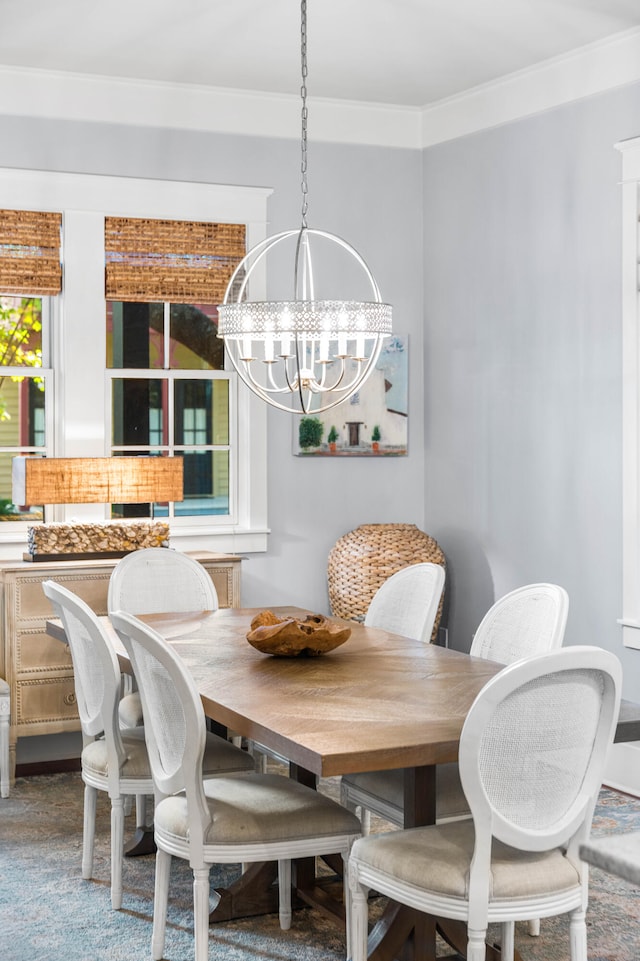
[[589, 70], [58, 95], [67, 96]]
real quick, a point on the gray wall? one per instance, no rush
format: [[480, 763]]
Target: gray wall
[[371, 197], [523, 347]]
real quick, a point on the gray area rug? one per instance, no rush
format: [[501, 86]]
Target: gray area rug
[[48, 913]]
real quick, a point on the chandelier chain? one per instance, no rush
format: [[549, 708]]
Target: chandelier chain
[[305, 112]]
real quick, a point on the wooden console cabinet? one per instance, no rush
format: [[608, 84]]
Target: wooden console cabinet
[[37, 667]]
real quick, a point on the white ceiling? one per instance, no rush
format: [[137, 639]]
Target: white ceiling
[[403, 52]]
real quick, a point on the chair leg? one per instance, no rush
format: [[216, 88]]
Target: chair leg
[[201, 912], [141, 811], [534, 927], [346, 802], [284, 893], [160, 901], [117, 846], [88, 831], [358, 923], [347, 897], [476, 947], [578, 935], [508, 941]]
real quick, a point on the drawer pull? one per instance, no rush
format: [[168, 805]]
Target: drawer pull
[[69, 699]]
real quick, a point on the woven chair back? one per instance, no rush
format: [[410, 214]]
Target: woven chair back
[[407, 603], [534, 745], [530, 620], [157, 580]]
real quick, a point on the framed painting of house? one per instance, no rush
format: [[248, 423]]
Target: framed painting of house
[[373, 422]]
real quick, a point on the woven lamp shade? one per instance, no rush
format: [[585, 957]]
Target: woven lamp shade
[[362, 560], [96, 480]]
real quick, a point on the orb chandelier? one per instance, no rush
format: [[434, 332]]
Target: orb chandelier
[[305, 353]]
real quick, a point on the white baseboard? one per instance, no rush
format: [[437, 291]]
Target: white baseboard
[[623, 768]]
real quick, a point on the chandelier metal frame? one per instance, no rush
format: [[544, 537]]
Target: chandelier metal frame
[[316, 353]]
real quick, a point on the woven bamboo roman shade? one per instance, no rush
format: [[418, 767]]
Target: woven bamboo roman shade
[[30, 252], [168, 260]]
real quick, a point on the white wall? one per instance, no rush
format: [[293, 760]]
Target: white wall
[[523, 368]]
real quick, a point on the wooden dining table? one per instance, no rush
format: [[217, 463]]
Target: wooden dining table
[[379, 701]]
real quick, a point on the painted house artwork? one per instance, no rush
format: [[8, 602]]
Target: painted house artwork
[[373, 422]]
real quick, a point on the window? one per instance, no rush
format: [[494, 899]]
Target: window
[[25, 391], [631, 390], [105, 353], [170, 395], [30, 270]]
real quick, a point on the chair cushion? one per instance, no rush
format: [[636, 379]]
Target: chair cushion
[[219, 755], [437, 858], [130, 710], [258, 808], [389, 786], [95, 758]]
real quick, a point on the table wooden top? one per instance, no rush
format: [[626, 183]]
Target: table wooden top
[[379, 701]]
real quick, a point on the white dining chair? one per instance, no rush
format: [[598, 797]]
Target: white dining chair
[[157, 580], [238, 819], [532, 755], [113, 759], [407, 602]]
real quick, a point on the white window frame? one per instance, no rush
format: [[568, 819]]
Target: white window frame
[[630, 619], [79, 345]]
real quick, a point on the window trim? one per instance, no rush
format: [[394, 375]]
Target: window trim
[[85, 199], [630, 620]]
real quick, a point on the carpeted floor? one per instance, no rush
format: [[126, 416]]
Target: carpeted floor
[[48, 913]]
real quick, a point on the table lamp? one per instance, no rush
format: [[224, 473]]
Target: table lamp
[[95, 480]]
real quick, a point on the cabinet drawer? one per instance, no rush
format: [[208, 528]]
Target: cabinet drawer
[[31, 603], [37, 652], [45, 700]]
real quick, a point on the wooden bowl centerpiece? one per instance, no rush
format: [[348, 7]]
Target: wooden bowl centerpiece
[[295, 636]]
